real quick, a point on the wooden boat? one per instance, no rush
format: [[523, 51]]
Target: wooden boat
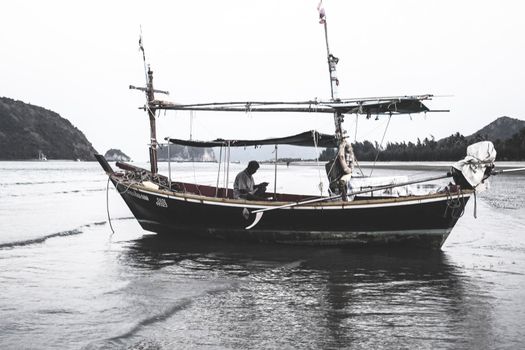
[[189, 209], [176, 208]]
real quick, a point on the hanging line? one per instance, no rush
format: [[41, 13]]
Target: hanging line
[[314, 136], [356, 124], [107, 208], [380, 145], [355, 141]]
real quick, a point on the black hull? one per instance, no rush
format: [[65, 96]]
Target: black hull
[[423, 221]]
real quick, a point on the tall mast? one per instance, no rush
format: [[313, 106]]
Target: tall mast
[[334, 82], [150, 109], [152, 123]]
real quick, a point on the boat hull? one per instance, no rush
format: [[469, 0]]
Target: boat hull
[[417, 221]]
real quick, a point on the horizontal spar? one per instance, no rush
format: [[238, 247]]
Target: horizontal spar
[[498, 172], [406, 105], [251, 109]]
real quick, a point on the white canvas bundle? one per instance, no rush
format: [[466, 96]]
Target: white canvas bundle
[[479, 156]]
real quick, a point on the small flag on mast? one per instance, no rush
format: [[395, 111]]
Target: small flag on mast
[[322, 14]]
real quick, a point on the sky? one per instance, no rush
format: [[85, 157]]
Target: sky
[[78, 59]]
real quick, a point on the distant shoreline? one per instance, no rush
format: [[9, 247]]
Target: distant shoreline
[[416, 165]]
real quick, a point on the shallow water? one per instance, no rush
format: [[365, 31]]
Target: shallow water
[[67, 282]]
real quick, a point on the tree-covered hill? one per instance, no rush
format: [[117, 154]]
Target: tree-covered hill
[[27, 130], [507, 134]]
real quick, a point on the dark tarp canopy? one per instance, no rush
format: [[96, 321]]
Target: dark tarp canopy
[[307, 138]]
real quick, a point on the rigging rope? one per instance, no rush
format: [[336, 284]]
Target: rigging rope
[[107, 208], [356, 124], [455, 203], [355, 141], [380, 145], [475, 205]]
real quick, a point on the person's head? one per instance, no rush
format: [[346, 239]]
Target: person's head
[[252, 167]]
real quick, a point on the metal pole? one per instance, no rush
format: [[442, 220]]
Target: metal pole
[[497, 172], [227, 171], [275, 177], [191, 124], [169, 164], [224, 169], [218, 173]]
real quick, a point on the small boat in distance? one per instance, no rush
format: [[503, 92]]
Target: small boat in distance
[[371, 212]]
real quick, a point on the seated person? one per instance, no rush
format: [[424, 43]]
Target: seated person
[[244, 187]]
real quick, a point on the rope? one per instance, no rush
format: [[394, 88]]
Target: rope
[[314, 136], [356, 120], [355, 141], [475, 205], [381, 144], [455, 203], [107, 208], [359, 167]]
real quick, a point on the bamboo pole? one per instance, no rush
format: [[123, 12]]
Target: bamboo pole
[[353, 193]]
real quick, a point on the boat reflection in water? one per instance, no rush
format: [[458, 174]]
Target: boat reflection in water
[[318, 297]]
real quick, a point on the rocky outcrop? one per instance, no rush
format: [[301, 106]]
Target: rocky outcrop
[[116, 155]]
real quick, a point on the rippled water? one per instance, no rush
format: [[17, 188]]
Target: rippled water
[[66, 282]]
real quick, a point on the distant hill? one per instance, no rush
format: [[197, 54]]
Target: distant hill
[[507, 134], [114, 155], [27, 130], [502, 129]]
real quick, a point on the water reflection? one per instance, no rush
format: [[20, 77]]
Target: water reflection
[[332, 297]]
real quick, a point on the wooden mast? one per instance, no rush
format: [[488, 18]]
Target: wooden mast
[[334, 82], [150, 109], [150, 94]]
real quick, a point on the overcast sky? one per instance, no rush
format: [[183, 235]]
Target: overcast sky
[[78, 58]]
